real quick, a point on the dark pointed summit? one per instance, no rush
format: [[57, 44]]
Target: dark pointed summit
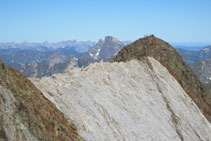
[[168, 57]]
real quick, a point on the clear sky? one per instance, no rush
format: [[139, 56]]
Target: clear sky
[[57, 20]]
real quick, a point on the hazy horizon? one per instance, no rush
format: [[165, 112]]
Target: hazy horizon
[[53, 21], [187, 44]]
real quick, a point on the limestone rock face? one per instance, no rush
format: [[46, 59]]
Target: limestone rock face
[[134, 100], [25, 114], [168, 57]]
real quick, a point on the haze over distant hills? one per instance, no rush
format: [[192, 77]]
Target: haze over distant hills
[[45, 59], [82, 46]]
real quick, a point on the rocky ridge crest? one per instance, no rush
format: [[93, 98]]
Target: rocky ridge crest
[[168, 57]]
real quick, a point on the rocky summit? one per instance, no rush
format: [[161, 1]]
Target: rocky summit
[[25, 114], [168, 57], [103, 51]]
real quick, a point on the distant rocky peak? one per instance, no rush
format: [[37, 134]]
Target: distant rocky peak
[[102, 51], [110, 39]]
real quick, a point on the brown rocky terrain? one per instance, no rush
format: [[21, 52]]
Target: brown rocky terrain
[[168, 57], [25, 114]]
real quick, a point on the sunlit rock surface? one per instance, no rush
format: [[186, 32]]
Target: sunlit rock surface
[[136, 100]]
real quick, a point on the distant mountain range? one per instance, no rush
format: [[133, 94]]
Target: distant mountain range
[[36, 63], [81, 46], [46, 59]]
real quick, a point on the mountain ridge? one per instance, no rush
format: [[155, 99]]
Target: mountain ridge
[[168, 57]]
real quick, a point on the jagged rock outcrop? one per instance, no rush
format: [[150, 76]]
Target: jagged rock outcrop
[[25, 114], [136, 100], [103, 51], [168, 57]]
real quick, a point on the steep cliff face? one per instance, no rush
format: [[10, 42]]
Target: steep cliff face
[[102, 51], [136, 100], [168, 57], [25, 114]]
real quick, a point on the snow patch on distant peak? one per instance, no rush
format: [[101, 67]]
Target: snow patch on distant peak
[[90, 54], [97, 54], [206, 49]]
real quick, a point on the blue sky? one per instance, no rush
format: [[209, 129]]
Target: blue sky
[[57, 20]]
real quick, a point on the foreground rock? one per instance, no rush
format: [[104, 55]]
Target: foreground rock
[[136, 100], [25, 114]]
